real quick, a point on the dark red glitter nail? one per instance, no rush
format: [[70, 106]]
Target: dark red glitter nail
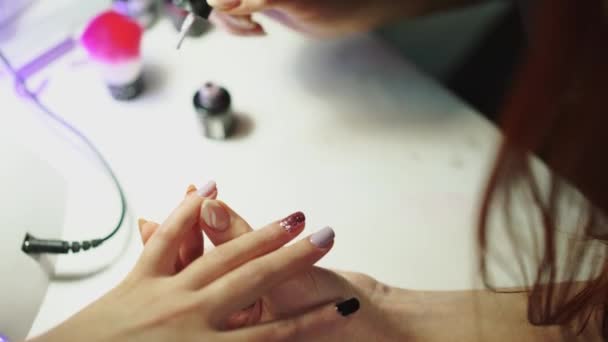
[[293, 221]]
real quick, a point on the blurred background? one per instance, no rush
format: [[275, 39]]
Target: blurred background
[[472, 51]]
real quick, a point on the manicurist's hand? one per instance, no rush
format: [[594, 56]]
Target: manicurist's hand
[[157, 302], [322, 17]]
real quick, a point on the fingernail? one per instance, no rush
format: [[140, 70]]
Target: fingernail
[[141, 222], [323, 238], [215, 215], [225, 4], [240, 22], [348, 307], [191, 189], [207, 189], [293, 222]]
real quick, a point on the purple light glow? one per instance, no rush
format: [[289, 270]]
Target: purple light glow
[[46, 58], [41, 62]]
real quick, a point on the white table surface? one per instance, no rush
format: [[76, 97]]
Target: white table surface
[[347, 131]]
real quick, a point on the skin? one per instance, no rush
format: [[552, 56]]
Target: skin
[[389, 313], [413, 315], [157, 302], [302, 292], [323, 18]]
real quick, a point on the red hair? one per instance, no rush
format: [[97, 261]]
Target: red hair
[[555, 220]]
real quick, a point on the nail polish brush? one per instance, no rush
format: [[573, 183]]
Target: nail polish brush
[[198, 10]]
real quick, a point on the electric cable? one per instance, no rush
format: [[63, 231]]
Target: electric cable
[[34, 245]]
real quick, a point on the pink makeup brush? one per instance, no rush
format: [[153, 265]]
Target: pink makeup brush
[[113, 43]]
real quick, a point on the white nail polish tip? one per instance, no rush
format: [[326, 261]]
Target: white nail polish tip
[[186, 25], [207, 189]]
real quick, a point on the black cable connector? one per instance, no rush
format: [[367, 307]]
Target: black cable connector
[[33, 245]]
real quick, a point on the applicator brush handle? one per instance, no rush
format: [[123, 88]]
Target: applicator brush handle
[[201, 8]]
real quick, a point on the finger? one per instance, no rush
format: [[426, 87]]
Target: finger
[[193, 244], [255, 278], [191, 188], [240, 25], [309, 326], [232, 254], [221, 223], [162, 250], [211, 191], [146, 229], [191, 248], [242, 6]]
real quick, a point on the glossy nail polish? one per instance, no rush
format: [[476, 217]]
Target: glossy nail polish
[[207, 189], [293, 222], [215, 215], [348, 307], [323, 238]]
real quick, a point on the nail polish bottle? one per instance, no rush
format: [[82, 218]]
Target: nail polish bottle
[[145, 12], [213, 105], [177, 14]]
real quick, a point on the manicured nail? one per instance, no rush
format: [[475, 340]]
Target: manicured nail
[[207, 189], [215, 215], [293, 222], [191, 189], [240, 22], [348, 307], [225, 4], [141, 222], [323, 238]]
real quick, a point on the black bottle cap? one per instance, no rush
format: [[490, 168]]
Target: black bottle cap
[[128, 91], [212, 99], [201, 8]]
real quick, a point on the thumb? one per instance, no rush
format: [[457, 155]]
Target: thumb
[[305, 327]]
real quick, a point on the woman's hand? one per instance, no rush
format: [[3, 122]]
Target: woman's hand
[[309, 289], [154, 303], [322, 17]]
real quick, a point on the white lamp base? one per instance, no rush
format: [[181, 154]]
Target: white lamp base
[[36, 206]]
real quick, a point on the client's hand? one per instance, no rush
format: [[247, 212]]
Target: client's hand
[[154, 303], [308, 289]]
